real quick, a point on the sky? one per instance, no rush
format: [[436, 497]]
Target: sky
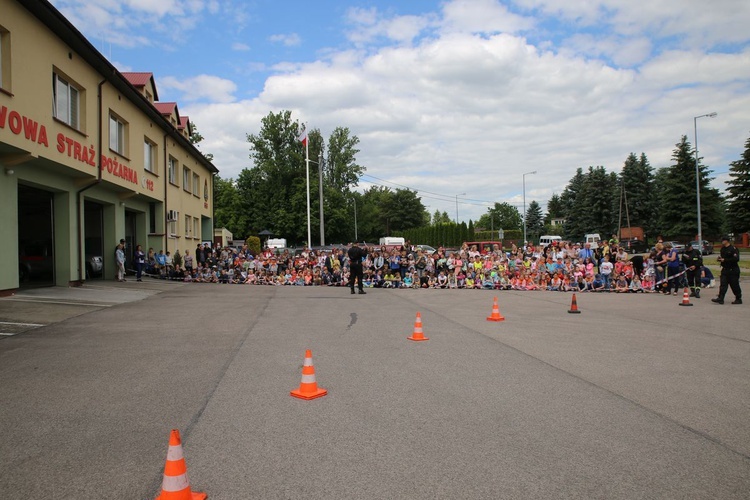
[[457, 99]]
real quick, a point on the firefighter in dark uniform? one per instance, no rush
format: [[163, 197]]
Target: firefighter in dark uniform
[[729, 258], [356, 256], [693, 260]]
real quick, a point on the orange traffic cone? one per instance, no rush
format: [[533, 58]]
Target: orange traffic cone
[[176, 485], [495, 316], [308, 388], [417, 335], [574, 306], [686, 298]]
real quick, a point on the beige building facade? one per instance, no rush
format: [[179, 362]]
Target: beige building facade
[[88, 156]]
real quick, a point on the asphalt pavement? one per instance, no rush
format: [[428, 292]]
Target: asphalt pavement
[[636, 397]]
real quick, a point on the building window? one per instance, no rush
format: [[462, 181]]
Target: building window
[[149, 156], [66, 98], [196, 228], [196, 185], [188, 225], [4, 59], [172, 171], [173, 217], [186, 179], [117, 135]]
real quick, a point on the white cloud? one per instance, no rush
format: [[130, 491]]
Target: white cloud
[[239, 46], [117, 22], [368, 25], [288, 40], [624, 52], [679, 67], [202, 87], [482, 16]]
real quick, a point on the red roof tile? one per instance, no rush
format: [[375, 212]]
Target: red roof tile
[[166, 108], [140, 80]]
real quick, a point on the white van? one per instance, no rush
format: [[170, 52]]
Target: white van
[[594, 239], [547, 239], [393, 240], [276, 243]]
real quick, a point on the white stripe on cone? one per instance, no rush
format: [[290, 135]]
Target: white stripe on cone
[[175, 483], [308, 379], [174, 453]]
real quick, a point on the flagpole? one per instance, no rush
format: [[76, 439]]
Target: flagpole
[[307, 168]]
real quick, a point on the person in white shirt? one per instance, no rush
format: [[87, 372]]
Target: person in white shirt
[[606, 270]]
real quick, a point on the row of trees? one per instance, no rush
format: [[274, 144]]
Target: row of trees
[[271, 195]]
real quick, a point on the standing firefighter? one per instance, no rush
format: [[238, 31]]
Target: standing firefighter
[[356, 256], [730, 272], [693, 260]]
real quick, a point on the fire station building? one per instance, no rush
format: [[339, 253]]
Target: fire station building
[[88, 156]]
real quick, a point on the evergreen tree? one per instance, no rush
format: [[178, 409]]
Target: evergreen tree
[[574, 225], [590, 200], [534, 221], [738, 209], [555, 209], [440, 218], [678, 212], [637, 179]]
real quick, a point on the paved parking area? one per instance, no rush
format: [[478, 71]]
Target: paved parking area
[[636, 397]]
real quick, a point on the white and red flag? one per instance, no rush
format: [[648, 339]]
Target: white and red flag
[[302, 137]]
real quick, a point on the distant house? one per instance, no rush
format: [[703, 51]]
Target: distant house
[[559, 221]]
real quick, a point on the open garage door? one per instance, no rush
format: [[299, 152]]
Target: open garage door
[[36, 239], [94, 239]]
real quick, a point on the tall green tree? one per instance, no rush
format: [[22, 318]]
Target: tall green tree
[[555, 209], [738, 208], [341, 173], [273, 192], [440, 218], [677, 203], [501, 216], [387, 211], [574, 225], [534, 221], [637, 181], [228, 211]]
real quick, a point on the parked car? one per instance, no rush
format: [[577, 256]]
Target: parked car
[[680, 247], [94, 266], [35, 261], [94, 260], [634, 246], [706, 249], [426, 249]]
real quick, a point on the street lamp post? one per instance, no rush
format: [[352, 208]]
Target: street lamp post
[[524, 204], [697, 177], [460, 194]]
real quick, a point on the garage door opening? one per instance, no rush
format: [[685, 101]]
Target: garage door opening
[[36, 239], [93, 226]]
